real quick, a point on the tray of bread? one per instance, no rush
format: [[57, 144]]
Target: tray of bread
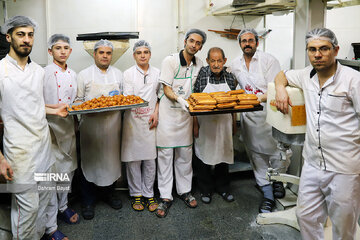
[[222, 102], [105, 104]]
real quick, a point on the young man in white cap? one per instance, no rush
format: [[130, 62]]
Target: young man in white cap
[[254, 69], [100, 132], [138, 147], [60, 87], [175, 128], [27, 141], [330, 177]]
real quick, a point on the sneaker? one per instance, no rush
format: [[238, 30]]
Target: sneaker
[[113, 200]]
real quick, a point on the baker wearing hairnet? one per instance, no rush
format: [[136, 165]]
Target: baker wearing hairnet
[[330, 176], [174, 131], [100, 132], [254, 69], [60, 87], [27, 141], [138, 147]]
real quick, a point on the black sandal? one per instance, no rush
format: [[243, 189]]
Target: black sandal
[[163, 206], [266, 206], [188, 198]]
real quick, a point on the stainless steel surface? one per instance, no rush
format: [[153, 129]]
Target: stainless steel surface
[[291, 139], [107, 109]]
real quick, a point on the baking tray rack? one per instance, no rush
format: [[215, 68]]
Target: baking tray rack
[[107, 109], [223, 111]]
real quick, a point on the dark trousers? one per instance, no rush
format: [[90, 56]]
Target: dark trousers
[[209, 181], [90, 191]]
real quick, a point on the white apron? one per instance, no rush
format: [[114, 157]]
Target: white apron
[[62, 89], [175, 125], [100, 140], [139, 142], [63, 142], [27, 145], [256, 133], [215, 143]]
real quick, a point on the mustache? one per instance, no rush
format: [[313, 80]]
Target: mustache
[[247, 47], [25, 45]]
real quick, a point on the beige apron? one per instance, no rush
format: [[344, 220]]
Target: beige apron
[[175, 125], [100, 140], [215, 144], [139, 143]]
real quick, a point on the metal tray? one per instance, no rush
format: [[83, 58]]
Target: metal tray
[[223, 111], [107, 109]]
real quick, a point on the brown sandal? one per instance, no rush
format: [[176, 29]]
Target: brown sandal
[[188, 198]]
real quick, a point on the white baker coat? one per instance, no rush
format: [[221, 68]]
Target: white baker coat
[[175, 125], [86, 77], [27, 144], [332, 140], [61, 87], [138, 141], [263, 68]]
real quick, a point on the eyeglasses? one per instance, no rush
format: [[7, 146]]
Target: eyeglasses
[[244, 41], [322, 50]]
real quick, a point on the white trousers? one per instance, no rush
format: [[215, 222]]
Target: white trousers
[[183, 170], [322, 194], [260, 164], [141, 177], [58, 202], [28, 213]]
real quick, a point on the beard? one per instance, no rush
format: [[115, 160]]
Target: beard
[[21, 52]]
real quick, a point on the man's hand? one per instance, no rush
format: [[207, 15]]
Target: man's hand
[[57, 109], [282, 100], [153, 120], [196, 127], [5, 169], [183, 103], [262, 98], [62, 110]]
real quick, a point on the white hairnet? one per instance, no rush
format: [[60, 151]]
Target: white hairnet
[[103, 43], [17, 21], [197, 31], [248, 30], [141, 43], [57, 37], [321, 34]]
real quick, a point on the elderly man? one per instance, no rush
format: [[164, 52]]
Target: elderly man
[[27, 141], [100, 132], [329, 184], [254, 69], [174, 132], [213, 133], [138, 148]]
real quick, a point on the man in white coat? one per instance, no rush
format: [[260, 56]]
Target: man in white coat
[[330, 176], [213, 133], [254, 69], [60, 87], [175, 128], [100, 132], [27, 141], [138, 147]]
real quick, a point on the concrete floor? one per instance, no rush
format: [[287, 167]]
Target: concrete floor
[[218, 220]]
